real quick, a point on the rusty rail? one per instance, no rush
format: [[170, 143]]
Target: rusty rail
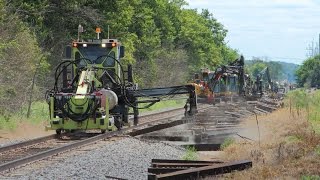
[[180, 169]]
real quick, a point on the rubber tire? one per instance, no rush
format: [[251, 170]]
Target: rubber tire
[[58, 131], [118, 123], [135, 116]]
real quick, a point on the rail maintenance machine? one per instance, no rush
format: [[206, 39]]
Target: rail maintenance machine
[[93, 91]]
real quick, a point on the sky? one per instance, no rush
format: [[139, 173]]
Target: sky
[[280, 30]]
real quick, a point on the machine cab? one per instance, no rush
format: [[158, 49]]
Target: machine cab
[[104, 54]]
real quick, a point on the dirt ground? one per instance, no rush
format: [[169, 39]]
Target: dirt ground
[[22, 132], [282, 145]]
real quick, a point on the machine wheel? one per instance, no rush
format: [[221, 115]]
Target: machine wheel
[[125, 117], [118, 123], [58, 131], [135, 116]]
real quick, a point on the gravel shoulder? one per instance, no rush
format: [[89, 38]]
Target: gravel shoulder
[[127, 158]]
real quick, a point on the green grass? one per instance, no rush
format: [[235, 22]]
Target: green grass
[[227, 142], [316, 126], [164, 105], [293, 138], [317, 150], [299, 100], [39, 113], [190, 154], [310, 177], [7, 123]]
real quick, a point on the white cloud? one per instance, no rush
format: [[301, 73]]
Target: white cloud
[[275, 28]]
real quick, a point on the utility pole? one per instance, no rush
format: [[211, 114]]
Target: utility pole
[[319, 45]]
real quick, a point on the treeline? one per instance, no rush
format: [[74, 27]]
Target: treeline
[[164, 40], [308, 74]]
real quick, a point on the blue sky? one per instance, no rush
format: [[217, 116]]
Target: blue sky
[[277, 29]]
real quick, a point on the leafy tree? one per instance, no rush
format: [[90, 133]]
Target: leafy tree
[[256, 67], [308, 74], [19, 59], [149, 29]]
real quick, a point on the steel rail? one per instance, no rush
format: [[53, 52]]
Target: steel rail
[[53, 136], [27, 143], [197, 172], [133, 131]]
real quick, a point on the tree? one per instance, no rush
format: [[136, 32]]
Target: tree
[[147, 28], [308, 74], [19, 59]]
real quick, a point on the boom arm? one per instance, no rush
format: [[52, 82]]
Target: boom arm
[[266, 72], [235, 67], [167, 91]]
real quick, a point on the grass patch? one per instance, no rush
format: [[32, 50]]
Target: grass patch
[[191, 154], [317, 150], [293, 138], [165, 104], [290, 152], [299, 102], [312, 177], [39, 114], [316, 126], [7, 123], [227, 142]]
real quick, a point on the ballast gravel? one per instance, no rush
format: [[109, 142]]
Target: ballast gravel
[[7, 143], [128, 158]]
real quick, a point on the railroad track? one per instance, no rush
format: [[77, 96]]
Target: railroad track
[[209, 130], [15, 155], [185, 169]]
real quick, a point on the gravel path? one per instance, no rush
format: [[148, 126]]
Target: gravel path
[[128, 158]]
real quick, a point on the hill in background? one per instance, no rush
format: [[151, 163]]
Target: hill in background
[[289, 70], [280, 71]]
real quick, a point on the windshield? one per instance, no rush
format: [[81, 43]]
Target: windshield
[[92, 52]]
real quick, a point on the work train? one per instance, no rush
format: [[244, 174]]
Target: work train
[[230, 80], [93, 89], [226, 80]]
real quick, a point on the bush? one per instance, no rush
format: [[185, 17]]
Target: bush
[[191, 154], [227, 142]]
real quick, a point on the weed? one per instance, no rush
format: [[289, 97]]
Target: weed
[[293, 138], [312, 177], [317, 150], [191, 154], [300, 101], [227, 142]]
